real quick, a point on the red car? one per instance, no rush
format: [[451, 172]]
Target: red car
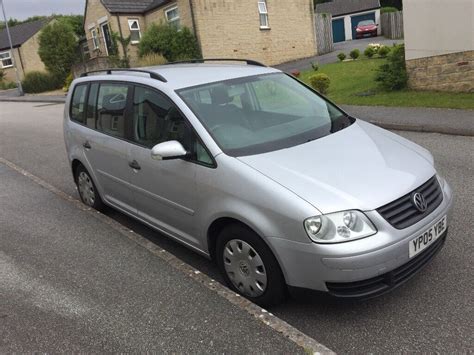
[[366, 28]]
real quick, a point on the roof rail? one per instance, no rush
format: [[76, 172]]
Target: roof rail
[[152, 74], [248, 61]]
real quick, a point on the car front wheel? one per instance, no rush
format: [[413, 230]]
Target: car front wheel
[[249, 266]]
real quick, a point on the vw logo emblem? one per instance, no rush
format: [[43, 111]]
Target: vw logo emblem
[[419, 202]]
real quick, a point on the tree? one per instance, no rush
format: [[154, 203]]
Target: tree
[[392, 3], [58, 48], [171, 43], [75, 21]]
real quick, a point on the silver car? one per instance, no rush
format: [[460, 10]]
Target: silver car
[[250, 167]]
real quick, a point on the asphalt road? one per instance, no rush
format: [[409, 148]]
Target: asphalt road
[[433, 312]]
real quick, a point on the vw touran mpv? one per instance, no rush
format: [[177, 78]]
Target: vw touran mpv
[[252, 168]]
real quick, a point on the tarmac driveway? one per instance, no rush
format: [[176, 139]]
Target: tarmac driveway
[[346, 47]]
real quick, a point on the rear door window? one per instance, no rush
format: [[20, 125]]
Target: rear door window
[[78, 104], [91, 113], [111, 109]]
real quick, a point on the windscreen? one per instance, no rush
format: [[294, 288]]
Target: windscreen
[[257, 114]]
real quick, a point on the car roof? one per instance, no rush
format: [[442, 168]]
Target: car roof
[[180, 76]]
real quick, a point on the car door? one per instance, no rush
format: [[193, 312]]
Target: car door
[[165, 191], [105, 147]]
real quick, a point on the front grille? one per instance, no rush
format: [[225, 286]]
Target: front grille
[[386, 282], [402, 213]]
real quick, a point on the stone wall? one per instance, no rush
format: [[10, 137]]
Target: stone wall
[[231, 29], [26, 59], [184, 11], [450, 72]]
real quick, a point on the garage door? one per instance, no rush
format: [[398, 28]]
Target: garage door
[[338, 31], [356, 19]]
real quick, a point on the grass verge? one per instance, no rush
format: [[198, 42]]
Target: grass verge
[[352, 83]]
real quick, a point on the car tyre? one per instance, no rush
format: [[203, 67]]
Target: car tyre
[[249, 266], [87, 190]]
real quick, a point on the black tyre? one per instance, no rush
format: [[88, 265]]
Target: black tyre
[[87, 189], [249, 266]]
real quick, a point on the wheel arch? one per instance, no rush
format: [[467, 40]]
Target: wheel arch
[[220, 223], [74, 165]]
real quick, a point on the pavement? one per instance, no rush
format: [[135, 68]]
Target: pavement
[[71, 283], [417, 119], [432, 313], [346, 47]]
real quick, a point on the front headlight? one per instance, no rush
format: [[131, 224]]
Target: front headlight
[[339, 227]]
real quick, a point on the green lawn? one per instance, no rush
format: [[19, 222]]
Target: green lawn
[[352, 83]]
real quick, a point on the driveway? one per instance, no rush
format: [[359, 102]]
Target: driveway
[[433, 312], [346, 47]]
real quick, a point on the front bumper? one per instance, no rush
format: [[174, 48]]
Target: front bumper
[[315, 266]]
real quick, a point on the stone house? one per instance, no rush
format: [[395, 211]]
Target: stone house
[[439, 44], [270, 31], [25, 38]]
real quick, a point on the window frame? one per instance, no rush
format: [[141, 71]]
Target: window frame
[[129, 116], [10, 57], [186, 121], [177, 18], [131, 21], [264, 13], [86, 101], [95, 38]]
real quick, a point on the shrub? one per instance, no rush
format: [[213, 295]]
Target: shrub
[[295, 73], [369, 52], [171, 43], [393, 74], [375, 47], [2, 74], [383, 51], [354, 54], [320, 82], [315, 66], [387, 9], [6, 85], [68, 82], [341, 56], [37, 81], [58, 48], [152, 59]]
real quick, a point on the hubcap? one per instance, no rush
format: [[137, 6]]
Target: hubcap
[[245, 268], [86, 188]]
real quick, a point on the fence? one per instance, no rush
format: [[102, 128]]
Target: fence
[[392, 24], [324, 39]]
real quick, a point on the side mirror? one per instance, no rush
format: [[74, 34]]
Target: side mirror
[[168, 150]]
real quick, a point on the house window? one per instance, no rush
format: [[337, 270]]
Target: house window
[[6, 60], [135, 34], [172, 17], [95, 39], [263, 13]]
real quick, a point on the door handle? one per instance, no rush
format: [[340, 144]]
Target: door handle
[[87, 145], [134, 165]]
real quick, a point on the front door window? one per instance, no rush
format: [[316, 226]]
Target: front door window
[[109, 44]]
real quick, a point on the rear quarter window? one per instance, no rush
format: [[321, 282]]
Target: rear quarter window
[[78, 103]]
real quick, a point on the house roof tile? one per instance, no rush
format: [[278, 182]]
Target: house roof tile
[[343, 7], [20, 33], [132, 6]]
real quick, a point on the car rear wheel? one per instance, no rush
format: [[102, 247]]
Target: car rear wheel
[[87, 189], [249, 266]]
